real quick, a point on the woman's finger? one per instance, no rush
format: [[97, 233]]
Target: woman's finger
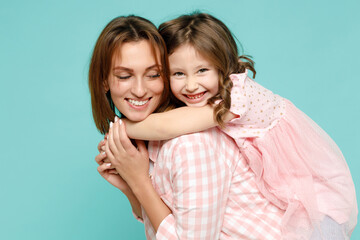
[[100, 145], [108, 152], [113, 171], [100, 157], [116, 135], [125, 140], [142, 148], [103, 167], [110, 140]]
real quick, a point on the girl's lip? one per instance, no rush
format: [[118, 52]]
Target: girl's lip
[[138, 104], [195, 98]]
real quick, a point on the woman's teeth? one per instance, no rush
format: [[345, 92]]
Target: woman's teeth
[[138, 103]]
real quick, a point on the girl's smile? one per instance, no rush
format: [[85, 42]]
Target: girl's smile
[[193, 79]]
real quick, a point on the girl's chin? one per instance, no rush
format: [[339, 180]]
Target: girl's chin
[[199, 104]]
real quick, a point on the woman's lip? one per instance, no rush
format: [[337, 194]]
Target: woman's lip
[[138, 104]]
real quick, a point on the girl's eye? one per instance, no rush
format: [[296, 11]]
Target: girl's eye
[[202, 70], [178, 74]]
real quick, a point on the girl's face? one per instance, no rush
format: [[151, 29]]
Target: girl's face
[[193, 79], [135, 83]]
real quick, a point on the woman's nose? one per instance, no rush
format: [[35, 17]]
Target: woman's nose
[[139, 88], [191, 84]]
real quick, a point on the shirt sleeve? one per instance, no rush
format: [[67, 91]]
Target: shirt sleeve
[[200, 183]]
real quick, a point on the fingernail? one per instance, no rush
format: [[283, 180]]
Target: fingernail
[[111, 124], [120, 122], [116, 119], [103, 153], [108, 164]]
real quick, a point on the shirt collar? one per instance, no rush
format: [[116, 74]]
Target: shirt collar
[[154, 149]]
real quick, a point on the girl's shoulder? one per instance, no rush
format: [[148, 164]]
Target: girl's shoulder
[[238, 79], [257, 108]]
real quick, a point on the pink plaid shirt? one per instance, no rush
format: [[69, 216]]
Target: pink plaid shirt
[[210, 189]]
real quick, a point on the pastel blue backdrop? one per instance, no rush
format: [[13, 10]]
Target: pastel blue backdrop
[[307, 51]]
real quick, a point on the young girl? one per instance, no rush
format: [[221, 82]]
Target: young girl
[[297, 165]]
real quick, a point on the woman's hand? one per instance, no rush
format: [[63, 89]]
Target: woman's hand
[[130, 162], [107, 171], [110, 174]]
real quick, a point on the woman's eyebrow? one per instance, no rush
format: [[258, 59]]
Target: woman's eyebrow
[[131, 70], [123, 68], [153, 66]]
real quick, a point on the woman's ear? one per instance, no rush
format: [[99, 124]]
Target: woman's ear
[[106, 86]]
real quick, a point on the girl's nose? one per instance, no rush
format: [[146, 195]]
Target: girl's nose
[[191, 84]]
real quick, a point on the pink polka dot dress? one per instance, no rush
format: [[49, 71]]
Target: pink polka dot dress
[[297, 165]]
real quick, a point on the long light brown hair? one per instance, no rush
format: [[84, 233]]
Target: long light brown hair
[[214, 41], [118, 31]]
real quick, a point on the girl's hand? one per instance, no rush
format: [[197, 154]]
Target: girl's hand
[[130, 162]]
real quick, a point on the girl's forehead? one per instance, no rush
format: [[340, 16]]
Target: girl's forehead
[[191, 49]]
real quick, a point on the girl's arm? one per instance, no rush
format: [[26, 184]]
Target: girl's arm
[[174, 123]]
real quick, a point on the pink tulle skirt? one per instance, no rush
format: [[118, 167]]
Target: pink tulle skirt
[[301, 170]]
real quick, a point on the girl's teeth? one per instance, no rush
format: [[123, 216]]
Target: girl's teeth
[[195, 96], [137, 103]]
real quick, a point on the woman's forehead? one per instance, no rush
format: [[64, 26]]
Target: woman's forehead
[[136, 54]]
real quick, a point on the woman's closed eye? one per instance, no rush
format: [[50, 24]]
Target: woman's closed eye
[[123, 77], [153, 75]]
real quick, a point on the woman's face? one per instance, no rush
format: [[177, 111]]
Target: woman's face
[[135, 83]]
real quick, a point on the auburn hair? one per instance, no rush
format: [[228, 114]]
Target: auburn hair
[[214, 41], [118, 31]]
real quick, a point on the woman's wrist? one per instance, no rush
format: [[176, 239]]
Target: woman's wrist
[[137, 186]]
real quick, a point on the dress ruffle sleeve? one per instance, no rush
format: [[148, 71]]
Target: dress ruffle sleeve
[[257, 109]]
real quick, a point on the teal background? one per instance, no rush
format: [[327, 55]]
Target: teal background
[[307, 51]]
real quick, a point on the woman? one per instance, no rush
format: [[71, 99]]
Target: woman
[[127, 71], [199, 177]]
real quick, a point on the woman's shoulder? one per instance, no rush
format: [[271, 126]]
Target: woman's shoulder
[[210, 138]]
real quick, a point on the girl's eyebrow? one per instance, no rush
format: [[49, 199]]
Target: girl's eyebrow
[[202, 66]]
